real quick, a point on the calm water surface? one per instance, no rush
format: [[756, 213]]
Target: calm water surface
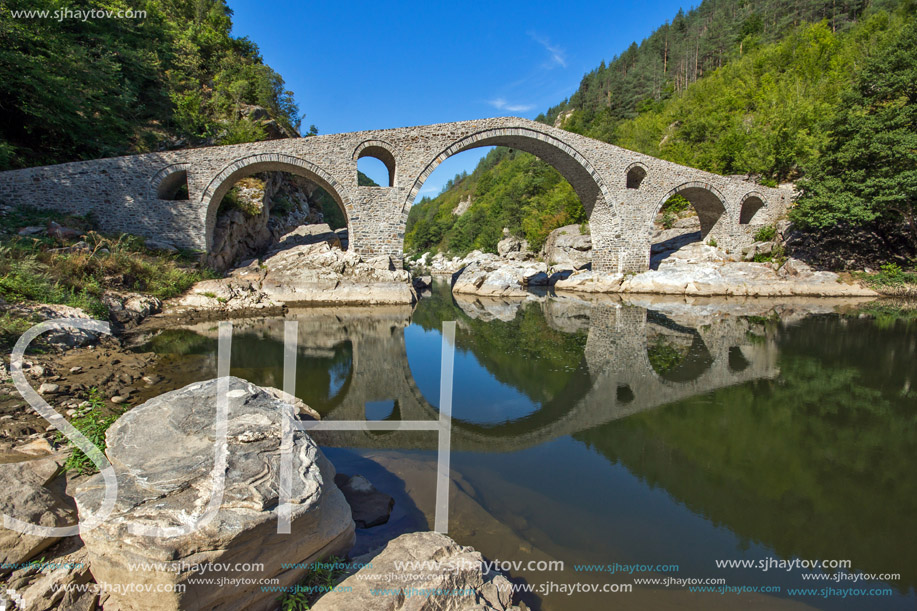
[[603, 433]]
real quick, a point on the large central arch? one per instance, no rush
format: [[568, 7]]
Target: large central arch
[[595, 195], [221, 184]]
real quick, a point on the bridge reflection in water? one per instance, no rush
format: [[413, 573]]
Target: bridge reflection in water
[[354, 365]]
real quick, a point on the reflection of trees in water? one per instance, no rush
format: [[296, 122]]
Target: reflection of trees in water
[[179, 342], [525, 353], [818, 463], [666, 353], [676, 353], [321, 373]]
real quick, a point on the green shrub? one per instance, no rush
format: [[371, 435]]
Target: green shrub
[[668, 219], [91, 422], [675, 204], [892, 271], [242, 131], [321, 578], [32, 271], [766, 234]]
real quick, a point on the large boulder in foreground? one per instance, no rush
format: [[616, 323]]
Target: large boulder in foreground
[[163, 454], [461, 572]]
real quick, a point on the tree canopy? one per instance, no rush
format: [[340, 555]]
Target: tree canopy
[[868, 170], [78, 89]]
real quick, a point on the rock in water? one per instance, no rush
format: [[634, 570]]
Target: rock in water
[[163, 454], [462, 569], [369, 506]]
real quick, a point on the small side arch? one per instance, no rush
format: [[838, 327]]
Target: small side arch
[[268, 162], [635, 174], [171, 183], [751, 204], [381, 150], [707, 200]]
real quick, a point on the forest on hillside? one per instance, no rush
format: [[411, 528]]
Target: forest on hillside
[[75, 89], [758, 88]]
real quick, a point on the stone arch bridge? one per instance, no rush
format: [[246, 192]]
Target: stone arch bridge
[[174, 195]]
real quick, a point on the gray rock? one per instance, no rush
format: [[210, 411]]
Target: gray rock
[[298, 404], [511, 244], [368, 506], [57, 231], [162, 453], [66, 337], [130, 309], [47, 587], [48, 388], [31, 230], [795, 267], [489, 275], [301, 270], [462, 207], [30, 492], [383, 262], [568, 246], [461, 568]]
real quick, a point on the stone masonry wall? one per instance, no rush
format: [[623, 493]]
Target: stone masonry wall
[[122, 192]]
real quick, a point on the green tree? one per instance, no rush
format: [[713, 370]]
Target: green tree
[[868, 171], [73, 89]]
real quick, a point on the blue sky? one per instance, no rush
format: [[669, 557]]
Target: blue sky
[[376, 65]]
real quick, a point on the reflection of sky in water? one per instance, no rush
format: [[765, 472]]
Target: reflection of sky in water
[[480, 398], [338, 375], [379, 410]]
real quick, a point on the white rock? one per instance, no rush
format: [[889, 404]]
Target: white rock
[[461, 568], [163, 452]]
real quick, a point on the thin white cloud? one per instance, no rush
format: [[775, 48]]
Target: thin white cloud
[[502, 104], [558, 55]]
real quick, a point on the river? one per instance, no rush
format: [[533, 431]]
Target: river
[[632, 441]]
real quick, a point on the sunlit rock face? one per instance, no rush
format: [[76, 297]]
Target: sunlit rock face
[[163, 454]]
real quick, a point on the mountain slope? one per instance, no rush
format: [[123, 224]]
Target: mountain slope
[[79, 89], [766, 85]]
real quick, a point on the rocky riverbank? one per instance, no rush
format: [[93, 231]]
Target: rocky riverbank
[[681, 265], [162, 453], [306, 266]]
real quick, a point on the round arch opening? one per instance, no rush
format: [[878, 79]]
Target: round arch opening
[[218, 188], [689, 213], [599, 207]]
